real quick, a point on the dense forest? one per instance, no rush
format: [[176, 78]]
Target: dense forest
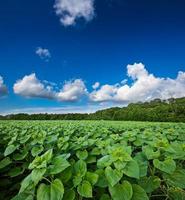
[[171, 110]]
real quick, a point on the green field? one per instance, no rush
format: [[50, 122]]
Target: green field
[[101, 160]]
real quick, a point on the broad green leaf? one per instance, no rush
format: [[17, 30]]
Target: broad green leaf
[[37, 150], [91, 159], [37, 175], [176, 179], [58, 164], [80, 168], [43, 192], [119, 165], [21, 156], [149, 184], [15, 171], [65, 175], [85, 189], [5, 162], [47, 155], [82, 154], [91, 177], [105, 197], [26, 183], [104, 162], [143, 164], [56, 190], [132, 169], [23, 196], [102, 181], [176, 194], [121, 191], [150, 153], [77, 180], [167, 165], [10, 149], [139, 193], [69, 195], [113, 175]]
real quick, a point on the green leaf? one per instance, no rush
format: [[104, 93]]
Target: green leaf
[[167, 165], [113, 175], [26, 183], [91, 159], [58, 165], [23, 196], [143, 164], [82, 154], [37, 175], [121, 191], [120, 164], [57, 190], [20, 156], [10, 149], [85, 189], [150, 153], [47, 155], [92, 177], [132, 169], [104, 162], [43, 192], [37, 150], [105, 197], [139, 193], [80, 168], [176, 179], [149, 184], [5, 162], [176, 194], [15, 171], [102, 181], [65, 175], [77, 180], [69, 195]]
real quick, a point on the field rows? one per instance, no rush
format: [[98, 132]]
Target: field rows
[[75, 160]]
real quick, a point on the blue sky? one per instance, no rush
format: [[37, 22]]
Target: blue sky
[[76, 43]]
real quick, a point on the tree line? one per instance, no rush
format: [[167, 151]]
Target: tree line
[[171, 110]]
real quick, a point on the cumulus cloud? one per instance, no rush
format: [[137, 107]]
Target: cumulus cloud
[[96, 85], [72, 91], [145, 87], [31, 87], [3, 88], [43, 53], [71, 10]]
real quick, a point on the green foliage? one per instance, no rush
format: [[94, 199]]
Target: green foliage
[[171, 110], [5, 162], [168, 165], [85, 189], [139, 193], [121, 191], [102, 160]]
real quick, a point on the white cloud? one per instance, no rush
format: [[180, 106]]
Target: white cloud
[[43, 53], [3, 88], [105, 93], [72, 91], [31, 87], [145, 87], [71, 10], [96, 85]]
